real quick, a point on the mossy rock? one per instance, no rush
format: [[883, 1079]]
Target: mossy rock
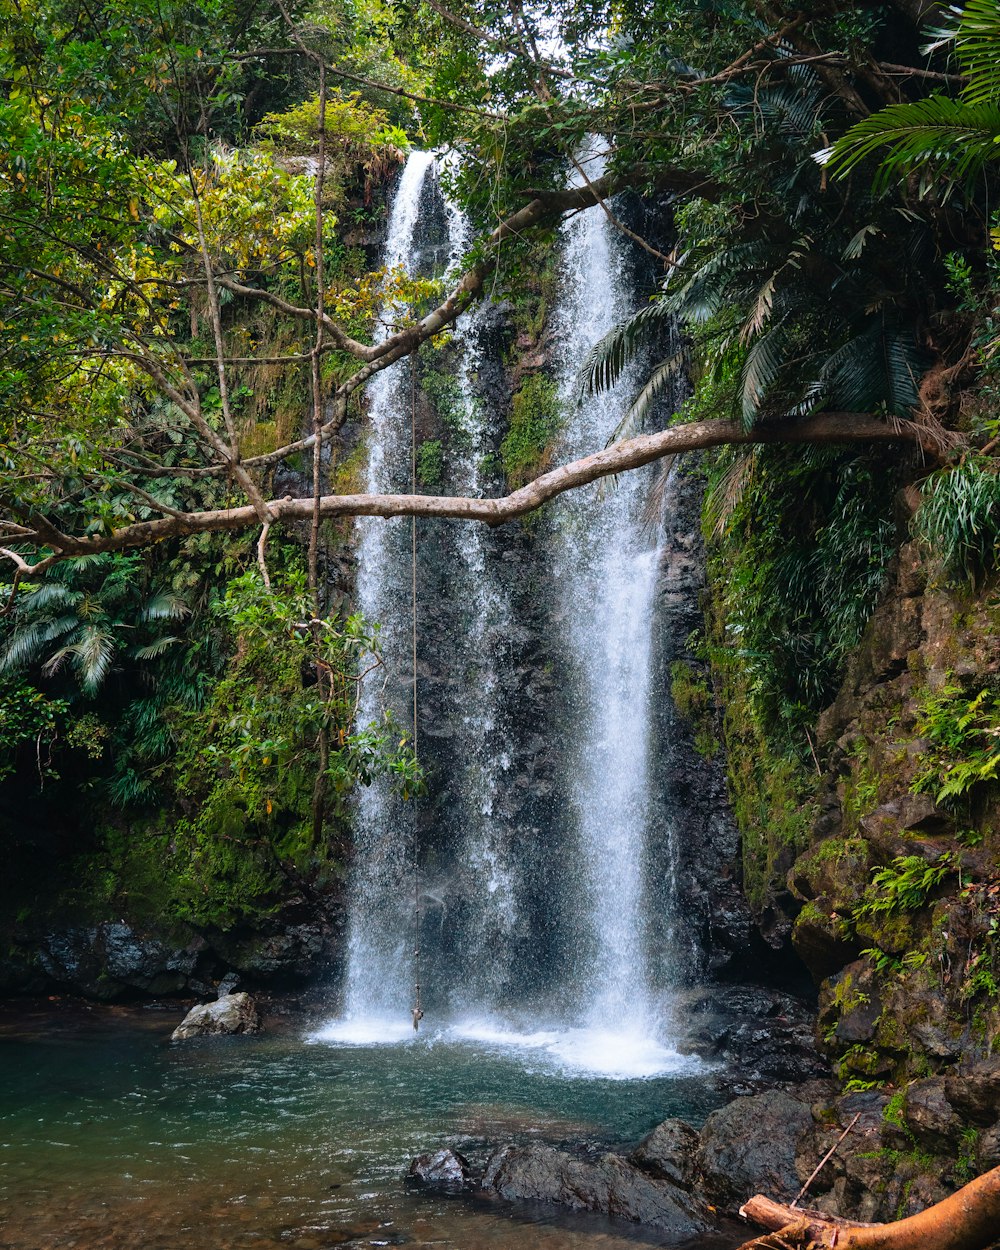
[[821, 939], [837, 869]]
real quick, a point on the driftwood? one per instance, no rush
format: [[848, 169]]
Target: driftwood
[[968, 1220]]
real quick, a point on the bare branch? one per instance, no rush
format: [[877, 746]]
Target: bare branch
[[831, 427]]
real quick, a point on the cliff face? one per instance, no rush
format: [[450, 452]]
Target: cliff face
[[910, 747], [894, 904]]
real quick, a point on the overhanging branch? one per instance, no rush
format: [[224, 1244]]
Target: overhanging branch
[[633, 453]]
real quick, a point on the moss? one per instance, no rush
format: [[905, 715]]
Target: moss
[[892, 934], [431, 464], [535, 419], [695, 702]]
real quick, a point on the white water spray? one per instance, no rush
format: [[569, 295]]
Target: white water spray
[[377, 987]]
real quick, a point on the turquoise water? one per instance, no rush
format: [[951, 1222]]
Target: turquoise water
[[110, 1136]]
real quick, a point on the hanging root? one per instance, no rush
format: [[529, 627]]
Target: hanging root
[[968, 1220]]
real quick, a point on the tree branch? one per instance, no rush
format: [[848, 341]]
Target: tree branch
[[831, 427], [968, 1220]]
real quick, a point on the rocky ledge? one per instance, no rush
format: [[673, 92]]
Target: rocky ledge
[[893, 1155]]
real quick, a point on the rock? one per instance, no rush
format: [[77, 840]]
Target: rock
[[929, 1115], [974, 1091], [868, 1105], [918, 813], [988, 1150], [750, 1147], [236, 1013], [444, 1169], [291, 954], [669, 1151], [228, 984], [767, 1036], [611, 1184]]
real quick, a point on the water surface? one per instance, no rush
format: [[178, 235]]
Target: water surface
[[112, 1137]]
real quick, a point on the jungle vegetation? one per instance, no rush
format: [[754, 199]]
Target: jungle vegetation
[[187, 316]]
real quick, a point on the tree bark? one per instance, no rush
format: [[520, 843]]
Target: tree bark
[[968, 1220]]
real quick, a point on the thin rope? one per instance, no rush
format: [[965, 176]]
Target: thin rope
[[418, 1013]]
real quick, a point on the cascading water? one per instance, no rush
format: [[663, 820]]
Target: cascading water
[[583, 991], [486, 849], [606, 573], [383, 930], [378, 986]]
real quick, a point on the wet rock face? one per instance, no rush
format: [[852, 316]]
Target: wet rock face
[[717, 934], [235, 1013], [886, 1157], [109, 961], [610, 1184], [765, 1036], [750, 1147], [669, 1152], [115, 960]]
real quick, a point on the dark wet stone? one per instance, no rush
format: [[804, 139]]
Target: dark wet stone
[[610, 1184], [670, 1151], [929, 1115], [750, 1146], [974, 1091]]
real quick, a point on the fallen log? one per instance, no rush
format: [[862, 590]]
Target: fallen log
[[967, 1220]]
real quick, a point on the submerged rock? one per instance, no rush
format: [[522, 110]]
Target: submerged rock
[[444, 1169], [235, 1013], [610, 1184]]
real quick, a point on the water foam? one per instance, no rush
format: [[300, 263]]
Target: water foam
[[575, 1053]]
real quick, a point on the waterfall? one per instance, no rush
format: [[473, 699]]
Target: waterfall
[[378, 989], [531, 909]]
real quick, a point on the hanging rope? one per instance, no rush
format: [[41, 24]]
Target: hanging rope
[[417, 1012]]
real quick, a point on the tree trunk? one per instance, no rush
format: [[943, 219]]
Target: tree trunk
[[968, 1220]]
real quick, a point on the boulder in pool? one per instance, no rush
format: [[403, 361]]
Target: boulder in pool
[[444, 1169], [234, 1013], [610, 1184]]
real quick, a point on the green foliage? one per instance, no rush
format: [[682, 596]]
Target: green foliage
[[431, 464], [904, 886], [248, 763], [694, 700], [940, 136], [964, 734], [28, 715], [959, 518], [87, 614], [536, 418], [802, 539]]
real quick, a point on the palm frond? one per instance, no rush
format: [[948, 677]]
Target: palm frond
[[853, 376], [976, 41], [92, 656], [663, 374], [165, 605], [52, 594], [856, 245], [155, 649], [611, 356], [761, 369], [724, 497], [903, 370], [22, 647], [957, 136]]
